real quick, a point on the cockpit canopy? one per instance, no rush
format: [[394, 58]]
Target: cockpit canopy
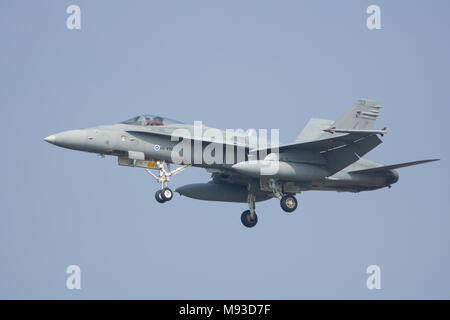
[[150, 120]]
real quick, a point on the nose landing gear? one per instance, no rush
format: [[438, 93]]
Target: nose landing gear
[[165, 193]]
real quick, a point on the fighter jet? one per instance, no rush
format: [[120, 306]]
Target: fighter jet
[[327, 155]]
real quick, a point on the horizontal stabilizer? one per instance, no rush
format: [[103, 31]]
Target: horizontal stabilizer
[[394, 166]]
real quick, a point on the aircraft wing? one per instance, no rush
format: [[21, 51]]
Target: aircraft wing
[[148, 134], [394, 166]]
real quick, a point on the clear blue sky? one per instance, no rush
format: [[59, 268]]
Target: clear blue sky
[[231, 64]]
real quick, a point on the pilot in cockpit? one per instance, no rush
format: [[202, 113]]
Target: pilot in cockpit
[[157, 121], [153, 121]]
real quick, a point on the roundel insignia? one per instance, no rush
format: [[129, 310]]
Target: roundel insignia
[[157, 147]]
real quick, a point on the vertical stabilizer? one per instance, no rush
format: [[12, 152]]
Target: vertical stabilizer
[[314, 130], [361, 115]]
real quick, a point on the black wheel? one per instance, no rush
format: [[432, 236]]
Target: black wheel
[[247, 219], [166, 194], [288, 203], [158, 197]]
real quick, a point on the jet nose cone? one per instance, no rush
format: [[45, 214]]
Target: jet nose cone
[[73, 139], [51, 139]]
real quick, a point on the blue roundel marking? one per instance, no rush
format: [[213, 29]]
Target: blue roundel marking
[[157, 147]]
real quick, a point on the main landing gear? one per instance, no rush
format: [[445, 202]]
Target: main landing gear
[[249, 217], [288, 202], [165, 193]]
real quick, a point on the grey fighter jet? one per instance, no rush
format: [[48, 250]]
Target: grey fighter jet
[[327, 155]]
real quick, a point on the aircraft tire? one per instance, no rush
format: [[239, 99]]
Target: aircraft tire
[[166, 194], [288, 203], [247, 221], [158, 197]]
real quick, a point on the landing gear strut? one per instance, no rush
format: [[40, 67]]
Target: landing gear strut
[[164, 194]]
